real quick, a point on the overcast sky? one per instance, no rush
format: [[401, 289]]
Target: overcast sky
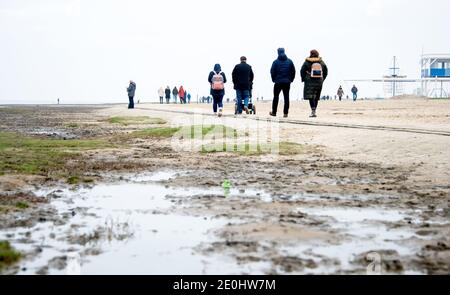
[[87, 51]]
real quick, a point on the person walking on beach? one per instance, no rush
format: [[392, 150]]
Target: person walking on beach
[[355, 92], [314, 72], [243, 80], [167, 93], [340, 93], [161, 95], [188, 98], [175, 94], [131, 92], [181, 94], [283, 74], [217, 80]]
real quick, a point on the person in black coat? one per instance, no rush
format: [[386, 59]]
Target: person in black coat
[[314, 72], [243, 81], [283, 74], [219, 92], [167, 92]]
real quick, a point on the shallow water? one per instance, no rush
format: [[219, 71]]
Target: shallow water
[[129, 227]]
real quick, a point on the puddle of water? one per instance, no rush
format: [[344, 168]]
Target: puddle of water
[[137, 237], [361, 230]]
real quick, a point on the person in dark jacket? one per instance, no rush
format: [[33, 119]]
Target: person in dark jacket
[[131, 92], [243, 80], [340, 93], [355, 92], [167, 92], [218, 93], [175, 94], [314, 72], [283, 74]]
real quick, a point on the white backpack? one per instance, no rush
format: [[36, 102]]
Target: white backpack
[[316, 70], [217, 82]]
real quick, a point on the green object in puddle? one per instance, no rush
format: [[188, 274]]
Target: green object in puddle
[[226, 184]]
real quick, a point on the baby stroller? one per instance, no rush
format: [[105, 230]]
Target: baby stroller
[[251, 105]]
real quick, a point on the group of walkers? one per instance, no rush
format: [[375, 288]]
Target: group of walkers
[[176, 93], [313, 73], [354, 90]]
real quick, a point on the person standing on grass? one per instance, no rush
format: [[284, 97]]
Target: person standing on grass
[[217, 80], [340, 93], [161, 95], [243, 80], [314, 72], [283, 74], [355, 92], [167, 92], [175, 94], [131, 92]]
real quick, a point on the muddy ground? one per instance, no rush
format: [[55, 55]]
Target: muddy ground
[[315, 211]]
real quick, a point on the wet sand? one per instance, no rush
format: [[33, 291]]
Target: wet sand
[[321, 211]]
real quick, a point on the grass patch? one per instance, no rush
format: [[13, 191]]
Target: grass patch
[[136, 121], [72, 125], [8, 255], [22, 205], [190, 132], [33, 155], [248, 149]]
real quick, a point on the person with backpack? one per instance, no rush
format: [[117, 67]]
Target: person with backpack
[[161, 95], [175, 94], [167, 92], [243, 81], [355, 92], [314, 72], [340, 93], [217, 80], [181, 94], [283, 74], [131, 92]]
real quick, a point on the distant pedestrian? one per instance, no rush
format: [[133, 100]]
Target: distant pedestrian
[[340, 93], [314, 72], [181, 94], [58, 100], [283, 74], [131, 92], [189, 98], [167, 93], [175, 94], [355, 92], [161, 95], [217, 80], [242, 79]]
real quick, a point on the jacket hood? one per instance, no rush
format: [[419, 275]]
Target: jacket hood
[[314, 59], [282, 54], [217, 68]]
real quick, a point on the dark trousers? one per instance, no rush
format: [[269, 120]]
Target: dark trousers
[[278, 87], [217, 102], [315, 97], [131, 103], [161, 100]]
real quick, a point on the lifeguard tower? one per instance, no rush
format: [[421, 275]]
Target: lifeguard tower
[[435, 70]]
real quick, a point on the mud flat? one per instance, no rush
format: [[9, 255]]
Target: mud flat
[[102, 190]]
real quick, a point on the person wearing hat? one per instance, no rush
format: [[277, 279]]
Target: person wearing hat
[[314, 72], [243, 80], [283, 74]]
